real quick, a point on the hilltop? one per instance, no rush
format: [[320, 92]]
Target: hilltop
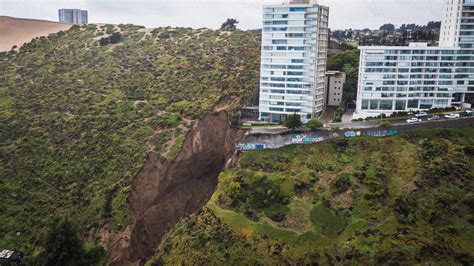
[[404, 199], [100, 122], [17, 31]]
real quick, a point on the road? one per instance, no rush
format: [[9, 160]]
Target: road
[[368, 124], [394, 122]]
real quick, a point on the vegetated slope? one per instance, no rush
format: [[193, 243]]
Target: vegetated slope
[[81, 110], [17, 31], [398, 200]]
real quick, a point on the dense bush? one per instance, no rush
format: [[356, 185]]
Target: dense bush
[[397, 200], [77, 119], [255, 192], [342, 184], [62, 246], [314, 124]]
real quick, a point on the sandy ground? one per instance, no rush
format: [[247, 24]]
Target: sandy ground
[[16, 31]]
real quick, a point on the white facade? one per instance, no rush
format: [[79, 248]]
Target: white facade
[[450, 23], [335, 87], [293, 61], [419, 77]]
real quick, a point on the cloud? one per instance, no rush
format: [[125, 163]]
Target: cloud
[[211, 13]]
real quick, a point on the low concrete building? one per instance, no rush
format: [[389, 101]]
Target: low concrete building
[[334, 87]]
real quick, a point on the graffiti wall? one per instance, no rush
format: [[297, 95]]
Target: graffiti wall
[[311, 138], [308, 138], [381, 133]]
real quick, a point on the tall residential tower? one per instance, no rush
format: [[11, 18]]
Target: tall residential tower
[[293, 63], [418, 77], [73, 16]]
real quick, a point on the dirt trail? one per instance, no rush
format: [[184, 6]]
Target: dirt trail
[[164, 192]]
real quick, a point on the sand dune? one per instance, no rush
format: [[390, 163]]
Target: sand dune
[[17, 31]]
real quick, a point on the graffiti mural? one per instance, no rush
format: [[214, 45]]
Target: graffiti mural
[[283, 140], [250, 146], [352, 134], [306, 138], [381, 133]]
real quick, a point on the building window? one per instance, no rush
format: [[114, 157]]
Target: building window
[[386, 105], [413, 104], [297, 9], [374, 105]]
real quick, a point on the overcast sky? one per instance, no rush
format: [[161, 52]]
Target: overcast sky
[[356, 14]]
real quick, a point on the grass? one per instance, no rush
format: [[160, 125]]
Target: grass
[[391, 190], [326, 222]]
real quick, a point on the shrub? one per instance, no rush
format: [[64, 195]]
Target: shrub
[[469, 150], [314, 124], [255, 192], [342, 184], [386, 124]]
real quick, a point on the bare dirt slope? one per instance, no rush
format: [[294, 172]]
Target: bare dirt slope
[[17, 31], [164, 192]]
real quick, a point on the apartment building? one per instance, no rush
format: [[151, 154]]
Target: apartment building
[[293, 60], [419, 77], [335, 87], [73, 16]]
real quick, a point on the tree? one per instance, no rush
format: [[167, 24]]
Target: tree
[[62, 246], [387, 27], [230, 24], [293, 121], [314, 124]]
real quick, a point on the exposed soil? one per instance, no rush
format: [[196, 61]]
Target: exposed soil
[[164, 192], [17, 31]]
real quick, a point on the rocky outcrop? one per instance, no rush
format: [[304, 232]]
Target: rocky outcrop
[[164, 192]]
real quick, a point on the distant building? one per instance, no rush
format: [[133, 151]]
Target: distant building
[[334, 87], [73, 16], [419, 77], [294, 51]]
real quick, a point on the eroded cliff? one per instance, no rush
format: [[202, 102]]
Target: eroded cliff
[[164, 192]]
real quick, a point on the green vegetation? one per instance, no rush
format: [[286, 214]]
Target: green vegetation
[[314, 124], [81, 109], [347, 62], [293, 121], [404, 199], [63, 247], [230, 24], [386, 124]]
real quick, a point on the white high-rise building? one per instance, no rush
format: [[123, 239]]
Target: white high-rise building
[[293, 63], [418, 77], [450, 23]]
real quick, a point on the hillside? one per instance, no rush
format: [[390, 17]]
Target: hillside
[[89, 115], [399, 200], [17, 31]]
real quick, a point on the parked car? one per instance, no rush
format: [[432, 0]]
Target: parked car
[[467, 113], [435, 117], [413, 120], [421, 114], [452, 116]]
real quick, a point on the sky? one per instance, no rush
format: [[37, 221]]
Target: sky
[[344, 14]]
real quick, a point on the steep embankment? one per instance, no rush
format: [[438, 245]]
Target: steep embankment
[[404, 199], [17, 31], [87, 116], [164, 192]]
